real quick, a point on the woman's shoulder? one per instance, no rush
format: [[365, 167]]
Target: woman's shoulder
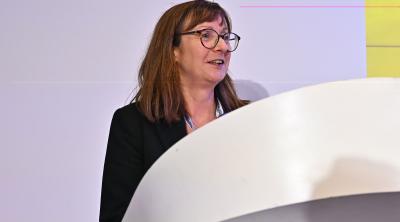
[[131, 108], [128, 113]]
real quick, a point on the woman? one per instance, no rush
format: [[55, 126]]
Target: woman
[[183, 85]]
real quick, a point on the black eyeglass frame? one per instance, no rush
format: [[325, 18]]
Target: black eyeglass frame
[[216, 42]]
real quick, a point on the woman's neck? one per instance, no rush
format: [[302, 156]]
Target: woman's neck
[[200, 105]]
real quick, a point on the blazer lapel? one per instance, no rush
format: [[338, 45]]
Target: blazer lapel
[[169, 134]]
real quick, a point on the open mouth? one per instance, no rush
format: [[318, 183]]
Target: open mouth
[[217, 62]]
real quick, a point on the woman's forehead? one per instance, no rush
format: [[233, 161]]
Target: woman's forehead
[[216, 23]]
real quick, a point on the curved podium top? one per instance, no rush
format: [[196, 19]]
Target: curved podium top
[[329, 140]]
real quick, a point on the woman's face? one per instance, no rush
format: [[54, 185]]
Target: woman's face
[[199, 66]]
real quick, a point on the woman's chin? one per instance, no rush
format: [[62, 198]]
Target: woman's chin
[[217, 77]]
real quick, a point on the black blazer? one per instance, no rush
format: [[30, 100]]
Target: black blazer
[[134, 144]]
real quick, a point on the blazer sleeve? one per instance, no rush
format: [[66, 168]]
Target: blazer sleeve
[[123, 166]]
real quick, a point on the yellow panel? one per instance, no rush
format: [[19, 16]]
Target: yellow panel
[[383, 38], [381, 62]]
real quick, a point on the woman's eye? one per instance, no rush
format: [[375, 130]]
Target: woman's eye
[[227, 37], [205, 35]]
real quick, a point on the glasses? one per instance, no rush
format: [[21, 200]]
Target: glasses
[[209, 38]]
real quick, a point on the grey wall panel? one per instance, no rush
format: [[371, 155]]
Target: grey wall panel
[[355, 208]]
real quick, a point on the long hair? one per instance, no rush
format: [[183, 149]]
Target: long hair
[[159, 96]]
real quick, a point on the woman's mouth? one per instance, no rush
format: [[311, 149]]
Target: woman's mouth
[[217, 62]]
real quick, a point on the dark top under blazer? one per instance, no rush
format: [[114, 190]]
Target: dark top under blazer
[[134, 144]]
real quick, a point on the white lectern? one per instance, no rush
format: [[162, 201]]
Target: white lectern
[[329, 140]]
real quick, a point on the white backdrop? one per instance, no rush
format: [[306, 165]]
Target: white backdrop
[[65, 66]]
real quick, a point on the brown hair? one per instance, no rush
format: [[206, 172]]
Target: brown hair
[[159, 95]]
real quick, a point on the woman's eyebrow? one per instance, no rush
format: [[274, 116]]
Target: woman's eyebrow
[[224, 30], [204, 27]]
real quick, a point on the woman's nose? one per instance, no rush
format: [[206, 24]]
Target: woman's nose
[[222, 45]]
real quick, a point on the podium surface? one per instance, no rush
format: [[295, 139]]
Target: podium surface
[[330, 140]]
